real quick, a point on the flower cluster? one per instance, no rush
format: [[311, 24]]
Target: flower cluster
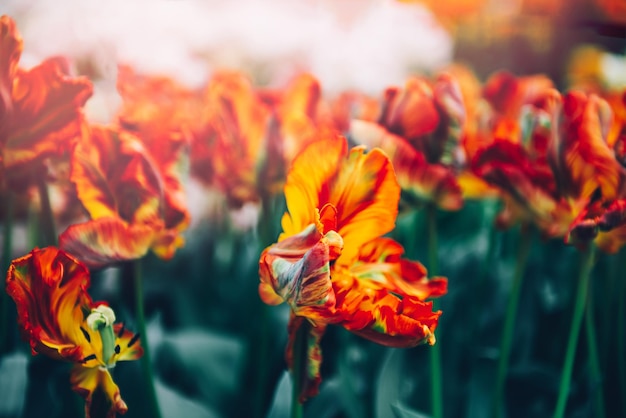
[[346, 166]]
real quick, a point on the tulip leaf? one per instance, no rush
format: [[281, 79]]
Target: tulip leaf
[[13, 381], [281, 405]]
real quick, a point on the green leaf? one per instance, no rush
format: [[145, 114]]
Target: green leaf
[[202, 364], [387, 387], [13, 380], [281, 405], [174, 405]]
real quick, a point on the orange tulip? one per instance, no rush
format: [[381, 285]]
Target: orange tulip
[[58, 318]]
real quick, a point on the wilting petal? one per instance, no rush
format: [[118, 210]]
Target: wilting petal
[[49, 289], [105, 241], [102, 395], [46, 115], [298, 271]]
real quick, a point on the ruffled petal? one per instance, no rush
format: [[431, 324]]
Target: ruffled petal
[[586, 157], [106, 241], [420, 181], [381, 265], [163, 116], [49, 288], [114, 176], [298, 271], [46, 114]]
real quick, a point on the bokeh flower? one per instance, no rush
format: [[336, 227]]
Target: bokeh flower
[[420, 129], [41, 110], [120, 188]]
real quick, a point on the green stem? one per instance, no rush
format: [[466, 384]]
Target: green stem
[[48, 229], [594, 363], [509, 320], [436, 394], [266, 236], [6, 262], [298, 367], [579, 306], [152, 406]]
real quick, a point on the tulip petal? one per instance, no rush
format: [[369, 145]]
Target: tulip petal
[[49, 290], [105, 241]]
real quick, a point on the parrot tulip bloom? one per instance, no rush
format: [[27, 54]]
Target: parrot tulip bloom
[[59, 319], [164, 116], [420, 129], [119, 186], [330, 263], [40, 109]]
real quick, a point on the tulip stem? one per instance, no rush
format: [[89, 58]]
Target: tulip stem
[[6, 261], [509, 320], [48, 228], [436, 394], [266, 236], [577, 316], [152, 406], [297, 367], [594, 362]]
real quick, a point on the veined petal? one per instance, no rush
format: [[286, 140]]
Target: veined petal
[[46, 115], [309, 177], [361, 186], [385, 318], [49, 288], [101, 394], [380, 266], [298, 271], [105, 241]]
